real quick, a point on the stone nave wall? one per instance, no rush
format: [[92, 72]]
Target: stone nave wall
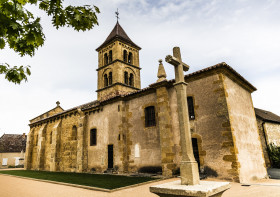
[[217, 127], [210, 126]]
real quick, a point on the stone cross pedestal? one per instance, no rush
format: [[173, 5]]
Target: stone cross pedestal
[[204, 189], [189, 185]]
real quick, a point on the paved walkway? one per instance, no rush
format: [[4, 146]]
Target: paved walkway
[[15, 187]]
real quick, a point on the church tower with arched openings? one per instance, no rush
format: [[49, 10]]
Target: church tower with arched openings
[[118, 65]]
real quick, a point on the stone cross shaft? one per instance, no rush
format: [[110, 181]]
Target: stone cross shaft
[[188, 168]]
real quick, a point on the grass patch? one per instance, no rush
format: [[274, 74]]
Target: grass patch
[[95, 180]]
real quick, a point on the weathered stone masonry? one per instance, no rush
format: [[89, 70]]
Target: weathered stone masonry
[[224, 123]]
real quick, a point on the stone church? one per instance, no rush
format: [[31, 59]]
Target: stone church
[[129, 128]]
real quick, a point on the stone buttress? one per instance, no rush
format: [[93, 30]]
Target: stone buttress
[[82, 145], [55, 146], [164, 123]]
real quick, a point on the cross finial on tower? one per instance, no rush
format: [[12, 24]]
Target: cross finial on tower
[[117, 14]]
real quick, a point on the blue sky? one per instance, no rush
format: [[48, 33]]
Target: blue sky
[[242, 33]]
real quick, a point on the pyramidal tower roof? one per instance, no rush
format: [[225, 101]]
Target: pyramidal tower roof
[[118, 33]]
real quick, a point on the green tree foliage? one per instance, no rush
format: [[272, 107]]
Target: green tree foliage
[[23, 33], [274, 155]]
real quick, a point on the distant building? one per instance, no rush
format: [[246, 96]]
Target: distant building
[[269, 130], [12, 150]]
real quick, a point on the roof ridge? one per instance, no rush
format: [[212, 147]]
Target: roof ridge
[[70, 109], [118, 27], [216, 66]]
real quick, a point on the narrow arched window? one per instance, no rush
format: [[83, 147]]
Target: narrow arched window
[[190, 107], [130, 58], [110, 56], [74, 133], [150, 116], [124, 55], [110, 78], [131, 80], [105, 59], [93, 137], [51, 138], [126, 78], [105, 80]]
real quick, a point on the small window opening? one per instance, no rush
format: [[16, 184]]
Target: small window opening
[[110, 56], [125, 56], [51, 138], [191, 108], [131, 80], [105, 80], [105, 59], [110, 78], [130, 58], [93, 137], [74, 133], [126, 78], [150, 116]]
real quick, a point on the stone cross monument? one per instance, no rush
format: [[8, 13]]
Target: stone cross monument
[[188, 168], [189, 185]]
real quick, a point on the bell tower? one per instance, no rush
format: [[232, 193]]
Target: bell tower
[[118, 65]]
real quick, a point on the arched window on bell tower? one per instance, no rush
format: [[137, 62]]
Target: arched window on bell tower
[[110, 56], [130, 58], [126, 78], [105, 80], [110, 78], [118, 65], [105, 59], [124, 55], [131, 80]]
